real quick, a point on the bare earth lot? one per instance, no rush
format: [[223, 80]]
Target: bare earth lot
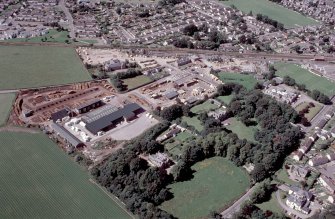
[[34, 66]]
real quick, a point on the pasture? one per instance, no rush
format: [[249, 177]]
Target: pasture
[[217, 183], [35, 66], [248, 81], [6, 101], [303, 76], [38, 180], [241, 130], [275, 11]]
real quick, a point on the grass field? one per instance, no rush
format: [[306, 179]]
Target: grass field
[[248, 81], [303, 76], [176, 147], [285, 16], [225, 99], [38, 180], [241, 130], [312, 110], [217, 183], [34, 66], [271, 205], [204, 107], [6, 101], [137, 81], [283, 176], [193, 121]]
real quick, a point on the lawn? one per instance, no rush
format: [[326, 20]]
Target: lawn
[[137, 81], [38, 180], [225, 99], [271, 205], [175, 145], [193, 121], [283, 176], [303, 76], [285, 16], [248, 81], [204, 107], [241, 130], [34, 66], [311, 112], [216, 184], [6, 101]]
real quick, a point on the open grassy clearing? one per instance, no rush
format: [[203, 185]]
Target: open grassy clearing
[[248, 81], [303, 76], [312, 110], [6, 101], [38, 180], [137, 81], [225, 99], [241, 130], [175, 145], [193, 121], [283, 176], [285, 16], [217, 183], [271, 205], [204, 107], [34, 66]]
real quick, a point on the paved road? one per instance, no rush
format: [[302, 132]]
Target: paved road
[[68, 17], [228, 213]]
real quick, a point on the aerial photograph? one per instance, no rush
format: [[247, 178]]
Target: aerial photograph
[[167, 109]]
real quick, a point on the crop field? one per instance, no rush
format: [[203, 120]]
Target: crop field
[[216, 184], [285, 16], [303, 76], [193, 121], [241, 130], [6, 101], [312, 111], [248, 81], [34, 66], [204, 107], [38, 180], [137, 81]]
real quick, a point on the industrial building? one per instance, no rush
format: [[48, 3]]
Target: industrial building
[[89, 106], [66, 135], [109, 116]]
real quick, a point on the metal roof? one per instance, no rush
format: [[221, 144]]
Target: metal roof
[[110, 115], [70, 138]]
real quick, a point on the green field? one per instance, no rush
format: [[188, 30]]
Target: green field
[[248, 81], [137, 81], [271, 205], [241, 130], [193, 121], [303, 76], [312, 111], [6, 101], [204, 107], [225, 99], [283, 176], [34, 66], [38, 180], [216, 184], [175, 145], [285, 16]]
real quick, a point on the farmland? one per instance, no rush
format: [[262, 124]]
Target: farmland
[[285, 16], [39, 181], [6, 101], [241, 129], [248, 81], [303, 76], [42, 65], [217, 182]]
